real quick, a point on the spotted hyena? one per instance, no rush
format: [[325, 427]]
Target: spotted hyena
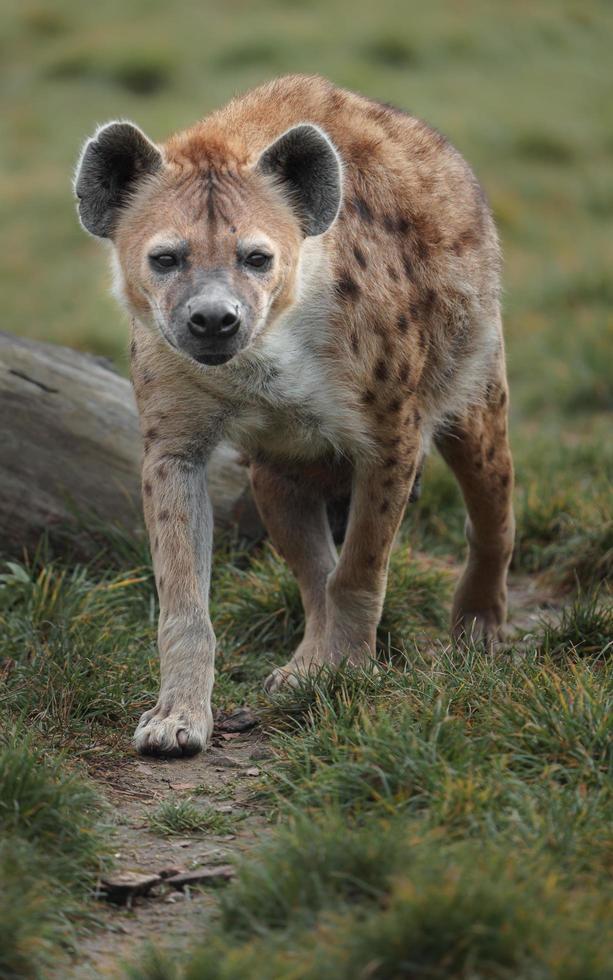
[[313, 276]]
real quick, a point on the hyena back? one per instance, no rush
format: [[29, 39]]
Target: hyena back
[[315, 277]]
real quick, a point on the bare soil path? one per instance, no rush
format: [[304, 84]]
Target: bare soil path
[[223, 778]]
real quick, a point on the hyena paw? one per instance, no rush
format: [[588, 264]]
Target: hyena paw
[[479, 628], [298, 669], [173, 732], [283, 677]]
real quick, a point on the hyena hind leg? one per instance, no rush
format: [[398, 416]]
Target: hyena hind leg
[[294, 515], [476, 448]]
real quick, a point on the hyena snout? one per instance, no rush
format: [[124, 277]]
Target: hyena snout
[[214, 320], [212, 327]]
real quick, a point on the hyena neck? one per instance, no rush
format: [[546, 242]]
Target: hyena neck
[[290, 389]]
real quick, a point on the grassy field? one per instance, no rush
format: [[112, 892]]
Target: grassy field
[[457, 808]]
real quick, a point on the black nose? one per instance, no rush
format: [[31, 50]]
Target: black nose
[[214, 320]]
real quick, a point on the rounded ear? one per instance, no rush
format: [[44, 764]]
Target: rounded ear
[[308, 167], [111, 164]]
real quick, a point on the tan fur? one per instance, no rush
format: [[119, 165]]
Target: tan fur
[[369, 341]]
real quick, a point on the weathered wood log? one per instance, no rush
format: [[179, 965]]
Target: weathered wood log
[[70, 448]]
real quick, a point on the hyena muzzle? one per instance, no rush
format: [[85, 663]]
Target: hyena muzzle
[[314, 277]]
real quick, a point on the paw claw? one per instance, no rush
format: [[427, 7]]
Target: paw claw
[[279, 678], [174, 733], [477, 629]]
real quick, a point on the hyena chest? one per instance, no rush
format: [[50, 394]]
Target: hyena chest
[[292, 404]]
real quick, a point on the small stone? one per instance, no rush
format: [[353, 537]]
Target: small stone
[[252, 771], [125, 885], [170, 872], [207, 875], [240, 720], [225, 762], [183, 786]]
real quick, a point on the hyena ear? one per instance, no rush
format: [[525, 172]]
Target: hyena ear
[[111, 164], [308, 167]]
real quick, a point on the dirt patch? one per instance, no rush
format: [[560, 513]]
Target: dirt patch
[[224, 778]]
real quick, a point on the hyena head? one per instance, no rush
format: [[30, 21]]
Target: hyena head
[[207, 240]]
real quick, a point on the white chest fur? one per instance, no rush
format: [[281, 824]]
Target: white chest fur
[[291, 400]]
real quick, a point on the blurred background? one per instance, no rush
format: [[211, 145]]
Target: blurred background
[[523, 89]]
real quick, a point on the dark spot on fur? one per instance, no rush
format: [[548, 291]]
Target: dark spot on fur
[[396, 224], [407, 262], [164, 515], [402, 323], [505, 479], [148, 376], [147, 488], [348, 287], [368, 397], [403, 373], [416, 417], [390, 461], [385, 506], [380, 417], [162, 471], [468, 239], [490, 454], [503, 399], [392, 273], [371, 560], [360, 257], [354, 342], [381, 370], [151, 434], [394, 405], [161, 583], [156, 543], [429, 300], [363, 210], [389, 483], [133, 348]]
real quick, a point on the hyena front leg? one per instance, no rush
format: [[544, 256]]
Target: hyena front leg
[[477, 450], [180, 524], [294, 514]]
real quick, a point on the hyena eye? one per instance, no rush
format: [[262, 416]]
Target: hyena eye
[[164, 261], [258, 260]]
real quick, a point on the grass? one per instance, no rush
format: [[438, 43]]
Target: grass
[[449, 815], [52, 848], [175, 816]]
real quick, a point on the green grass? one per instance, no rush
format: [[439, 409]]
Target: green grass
[[175, 816], [448, 816], [51, 848]]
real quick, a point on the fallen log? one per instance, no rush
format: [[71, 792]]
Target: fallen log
[[70, 450]]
